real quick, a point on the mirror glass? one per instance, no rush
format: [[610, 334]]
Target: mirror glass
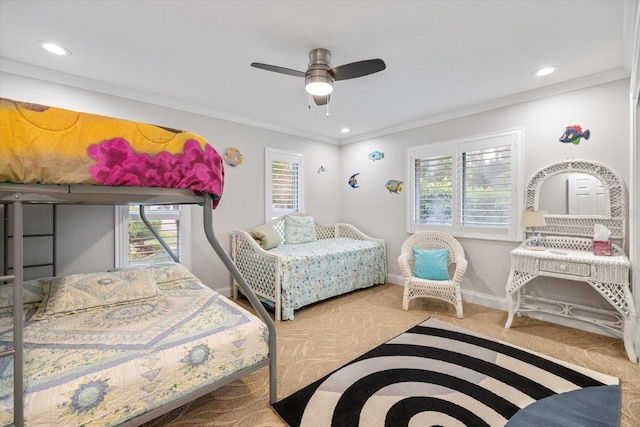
[[573, 194]]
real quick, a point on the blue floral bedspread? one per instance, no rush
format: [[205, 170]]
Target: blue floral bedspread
[[104, 366], [317, 270]]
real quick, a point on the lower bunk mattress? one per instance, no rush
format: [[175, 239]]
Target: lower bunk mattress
[[102, 348]]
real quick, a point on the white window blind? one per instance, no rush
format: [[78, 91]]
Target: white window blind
[[283, 179], [467, 187], [284, 185], [433, 190], [487, 196]]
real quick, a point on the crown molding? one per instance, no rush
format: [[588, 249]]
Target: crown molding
[[557, 89], [27, 70], [40, 73]]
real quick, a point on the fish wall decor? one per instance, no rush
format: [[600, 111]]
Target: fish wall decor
[[376, 155], [353, 181], [394, 186], [573, 134], [233, 157]]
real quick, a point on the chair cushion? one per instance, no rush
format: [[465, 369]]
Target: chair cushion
[[431, 264]]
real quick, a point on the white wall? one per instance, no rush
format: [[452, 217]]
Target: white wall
[[634, 212], [634, 154], [86, 238], [603, 109]]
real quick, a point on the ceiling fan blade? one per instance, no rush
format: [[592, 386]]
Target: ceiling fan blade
[[321, 100], [357, 69], [277, 69]]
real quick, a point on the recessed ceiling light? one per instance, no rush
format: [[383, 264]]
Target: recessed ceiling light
[[55, 48], [345, 130], [545, 71]]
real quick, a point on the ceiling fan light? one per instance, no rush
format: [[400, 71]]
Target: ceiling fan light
[[319, 88], [318, 83]]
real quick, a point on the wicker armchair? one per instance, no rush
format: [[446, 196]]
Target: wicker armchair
[[446, 290]]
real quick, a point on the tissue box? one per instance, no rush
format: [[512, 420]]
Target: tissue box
[[602, 248]]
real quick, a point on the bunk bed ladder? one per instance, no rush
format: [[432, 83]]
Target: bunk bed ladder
[[31, 265], [18, 342], [17, 235]]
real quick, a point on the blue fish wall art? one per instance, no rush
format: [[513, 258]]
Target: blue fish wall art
[[394, 186], [353, 181], [376, 155]]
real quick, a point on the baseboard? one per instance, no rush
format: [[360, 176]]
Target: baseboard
[[497, 303], [484, 300], [395, 279], [468, 296]]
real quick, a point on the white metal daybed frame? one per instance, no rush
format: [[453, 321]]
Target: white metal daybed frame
[[19, 194]]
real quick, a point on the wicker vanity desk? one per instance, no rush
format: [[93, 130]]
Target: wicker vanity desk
[[572, 258], [571, 215]]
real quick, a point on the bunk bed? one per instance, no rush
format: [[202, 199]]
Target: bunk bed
[[80, 360]]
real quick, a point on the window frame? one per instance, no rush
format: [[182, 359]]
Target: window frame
[[271, 155], [455, 149], [122, 218]]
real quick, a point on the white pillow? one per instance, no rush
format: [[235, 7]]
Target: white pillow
[[32, 294], [80, 292], [299, 229], [163, 272]]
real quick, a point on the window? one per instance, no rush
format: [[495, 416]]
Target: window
[[467, 187], [136, 245], [283, 183]]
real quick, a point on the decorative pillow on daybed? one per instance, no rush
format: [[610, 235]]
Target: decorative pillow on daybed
[[32, 294], [81, 292], [266, 237], [431, 264], [299, 229]]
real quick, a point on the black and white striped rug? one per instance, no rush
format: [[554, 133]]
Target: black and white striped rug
[[437, 374]]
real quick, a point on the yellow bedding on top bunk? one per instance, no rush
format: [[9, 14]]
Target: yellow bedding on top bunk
[[48, 145]]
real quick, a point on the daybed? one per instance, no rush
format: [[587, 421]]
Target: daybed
[[294, 261], [119, 347]]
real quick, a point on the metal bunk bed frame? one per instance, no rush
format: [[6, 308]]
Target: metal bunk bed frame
[[19, 194]]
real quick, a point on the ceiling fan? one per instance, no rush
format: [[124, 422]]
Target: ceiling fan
[[319, 76]]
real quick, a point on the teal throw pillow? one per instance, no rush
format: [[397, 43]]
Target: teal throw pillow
[[431, 264]]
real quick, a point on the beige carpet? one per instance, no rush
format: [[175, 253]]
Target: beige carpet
[[325, 336]]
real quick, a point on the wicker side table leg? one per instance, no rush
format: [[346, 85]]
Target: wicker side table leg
[[515, 282], [628, 333], [619, 296], [512, 294]]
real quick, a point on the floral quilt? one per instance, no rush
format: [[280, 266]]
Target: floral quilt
[[103, 366]]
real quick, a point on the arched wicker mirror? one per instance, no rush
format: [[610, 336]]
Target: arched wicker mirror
[[610, 196]]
